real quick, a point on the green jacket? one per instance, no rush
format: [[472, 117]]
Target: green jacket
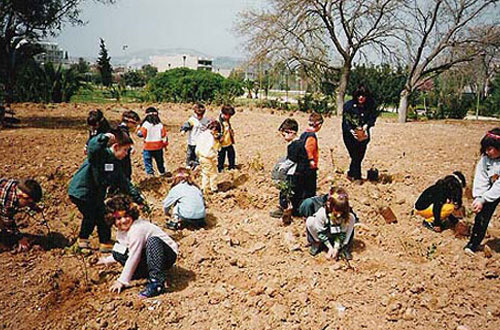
[[100, 170]]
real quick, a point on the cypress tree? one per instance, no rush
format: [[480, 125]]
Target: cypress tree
[[104, 65]]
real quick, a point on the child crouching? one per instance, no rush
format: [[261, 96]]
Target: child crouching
[[332, 226], [187, 202], [143, 248]]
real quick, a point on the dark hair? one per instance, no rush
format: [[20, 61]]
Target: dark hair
[[129, 114], [121, 203], [289, 124], [490, 139], [227, 110], [152, 116], [121, 136], [452, 186], [214, 124], [96, 118], [315, 119], [338, 200], [199, 108], [361, 91], [32, 188]]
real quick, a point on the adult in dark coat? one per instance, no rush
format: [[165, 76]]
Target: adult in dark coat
[[359, 115]]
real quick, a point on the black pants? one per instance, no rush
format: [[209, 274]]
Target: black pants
[[304, 186], [191, 159], [93, 215], [157, 257], [481, 224], [357, 152], [231, 156]]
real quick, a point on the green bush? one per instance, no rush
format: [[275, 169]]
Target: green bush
[[186, 85], [316, 102]]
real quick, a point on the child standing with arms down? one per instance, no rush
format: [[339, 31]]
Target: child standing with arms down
[[307, 168], [332, 226], [130, 120], [87, 189], [155, 140], [227, 139], [15, 195], [187, 201], [143, 248], [207, 147], [486, 188], [195, 125]]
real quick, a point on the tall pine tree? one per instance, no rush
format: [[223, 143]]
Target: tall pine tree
[[104, 65]]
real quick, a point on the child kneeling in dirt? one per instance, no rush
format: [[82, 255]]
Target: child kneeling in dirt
[[187, 201], [332, 226], [143, 248], [15, 195], [87, 189], [438, 201]]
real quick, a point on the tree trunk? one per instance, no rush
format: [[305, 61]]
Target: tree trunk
[[341, 90], [403, 105]]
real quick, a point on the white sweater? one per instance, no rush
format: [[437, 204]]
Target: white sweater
[[484, 190]]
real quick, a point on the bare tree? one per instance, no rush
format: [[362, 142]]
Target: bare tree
[[313, 33], [435, 30]]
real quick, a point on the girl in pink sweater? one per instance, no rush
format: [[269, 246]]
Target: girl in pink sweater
[[143, 248]]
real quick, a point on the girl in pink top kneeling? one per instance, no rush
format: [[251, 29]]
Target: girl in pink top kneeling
[[144, 249]]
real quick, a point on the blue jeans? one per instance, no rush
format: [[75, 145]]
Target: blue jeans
[[148, 155]]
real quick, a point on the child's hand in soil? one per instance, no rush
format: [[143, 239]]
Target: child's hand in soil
[[116, 287], [332, 253], [477, 206], [24, 245]]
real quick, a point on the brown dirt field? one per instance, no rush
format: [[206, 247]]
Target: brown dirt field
[[246, 270]]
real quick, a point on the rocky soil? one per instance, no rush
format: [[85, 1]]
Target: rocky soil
[[246, 270]]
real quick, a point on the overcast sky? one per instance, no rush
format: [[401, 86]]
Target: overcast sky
[[203, 25]]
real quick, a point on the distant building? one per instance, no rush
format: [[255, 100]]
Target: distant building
[[51, 53], [164, 63]]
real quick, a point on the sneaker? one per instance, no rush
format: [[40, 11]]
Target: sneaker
[[106, 247], [83, 243], [314, 249], [278, 213], [153, 289], [469, 251], [174, 225]]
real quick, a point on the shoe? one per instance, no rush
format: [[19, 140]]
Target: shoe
[[106, 247], [428, 225], [153, 289], [83, 243], [278, 213], [469, 251], [174, 225], [314, 249]]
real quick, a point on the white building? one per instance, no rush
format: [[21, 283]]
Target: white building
[[51, 53], [164, 63]]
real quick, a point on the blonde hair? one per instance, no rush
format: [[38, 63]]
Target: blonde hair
[[183, 174]]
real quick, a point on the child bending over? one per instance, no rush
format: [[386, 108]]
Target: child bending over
[[332, 226], [15, 195], [87, 189], [187, 201], [143, 248], [486, 188], [155, 140], [207, 147], [438, 201], [195, 125]]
